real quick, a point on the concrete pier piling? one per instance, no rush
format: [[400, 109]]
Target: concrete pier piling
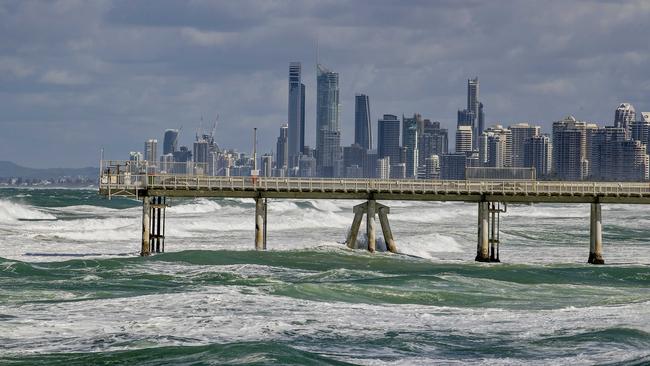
[[596, 235], [370, 226], [371, 209], [483, 241], [146, 226], [153, 225], [359, 210], [385, 228], [259, 223]]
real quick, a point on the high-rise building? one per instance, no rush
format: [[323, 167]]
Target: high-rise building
[[645, 117], [170, 141], [452, 166], [616, 158], [521, 133], [201, 154], [267, 165], [136, 156], [383, 168], [495, 147], [473, 105], [410, 139], [296, 117], [398, 171], [433, 141], [388, 138], [473, 115], [282, 149], [465, 118], [473, 95], [362, 125], [328, 133], [640, 131], [432, 167], [537, 154], [570, 160], [151, 150], [464, 139], [624, 116], [355, 155], [480, 118]]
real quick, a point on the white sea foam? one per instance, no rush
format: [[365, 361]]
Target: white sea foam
[[197, 206], [11, 212], [425, 246]]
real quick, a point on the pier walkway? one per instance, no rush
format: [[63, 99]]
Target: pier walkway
[[152, 186]]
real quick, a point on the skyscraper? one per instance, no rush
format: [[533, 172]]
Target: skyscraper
[[521, 132], [170, 141], [200, 152], [495, 147], [388, 138], [410, 139], [473, 114], [464, 139], [624, 116], [645, 117], [473, 105], [537, 154], [362, 128], [472, 95], [328, 133], [296, 117], [434, 140], [282, 147], [569, 149], [151, 150]]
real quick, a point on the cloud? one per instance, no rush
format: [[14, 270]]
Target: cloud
[[14, 68], [119, 72], [204, 38], [62, 77]]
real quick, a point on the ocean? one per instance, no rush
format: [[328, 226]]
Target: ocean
[[73, 290]]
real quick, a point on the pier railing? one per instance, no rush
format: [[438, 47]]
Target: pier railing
[[129, 182]]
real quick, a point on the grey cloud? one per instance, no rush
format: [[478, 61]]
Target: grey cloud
[[77, 75]]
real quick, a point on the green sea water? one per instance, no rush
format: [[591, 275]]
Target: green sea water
[[76, 296]]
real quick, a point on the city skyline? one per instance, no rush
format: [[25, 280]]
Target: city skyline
[[104, 74]]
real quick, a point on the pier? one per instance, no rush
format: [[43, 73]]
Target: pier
[[153, 187]]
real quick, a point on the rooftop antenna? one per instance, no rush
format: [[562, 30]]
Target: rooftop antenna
[[317, 51]]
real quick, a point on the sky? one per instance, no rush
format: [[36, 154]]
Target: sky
[[78, 76]]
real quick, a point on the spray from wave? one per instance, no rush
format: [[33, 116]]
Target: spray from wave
[[12, 212]]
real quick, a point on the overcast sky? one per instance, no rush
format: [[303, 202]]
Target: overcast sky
[[79, 75]]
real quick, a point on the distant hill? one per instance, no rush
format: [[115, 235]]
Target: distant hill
[[9, 170]]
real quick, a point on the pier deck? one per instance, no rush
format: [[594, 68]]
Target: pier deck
[[389, 189], [153, 185]]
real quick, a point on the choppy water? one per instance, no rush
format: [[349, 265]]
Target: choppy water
[[74, 292]]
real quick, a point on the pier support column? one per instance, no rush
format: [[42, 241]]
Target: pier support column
[[385, 228], [146, 226], [359, 210], [370, 226], [259, 223], [482, 247], [596, 235]]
